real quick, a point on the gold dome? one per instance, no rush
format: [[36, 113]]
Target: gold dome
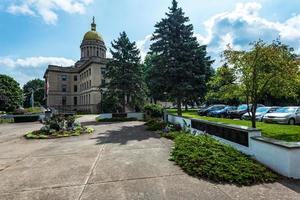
[[93, 34]]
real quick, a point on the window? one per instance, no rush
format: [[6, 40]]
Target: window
[[64, 77], [90, 71], [64, 88], [90, 84], [75, 88], [103, 82], [75, 101], [75, 78], [64, 101]]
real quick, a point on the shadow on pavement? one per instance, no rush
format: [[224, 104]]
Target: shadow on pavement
[[125, 134]]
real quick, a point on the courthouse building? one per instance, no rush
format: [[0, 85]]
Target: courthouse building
[[76, 88]]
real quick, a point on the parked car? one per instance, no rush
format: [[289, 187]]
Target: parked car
[[222, 113], [242, 109], [284, 115], [260, 113], [205, 111]]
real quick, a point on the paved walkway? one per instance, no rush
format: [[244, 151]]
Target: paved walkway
[[119, 161]]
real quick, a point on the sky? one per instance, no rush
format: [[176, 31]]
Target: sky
[[36, 33]]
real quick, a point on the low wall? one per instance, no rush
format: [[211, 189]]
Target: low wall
[[282, 157], [138, 116]]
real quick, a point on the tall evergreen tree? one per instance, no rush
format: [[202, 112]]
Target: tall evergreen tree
[[180, 62], [125, 73]]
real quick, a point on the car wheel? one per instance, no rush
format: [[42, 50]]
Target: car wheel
[[292, 121]]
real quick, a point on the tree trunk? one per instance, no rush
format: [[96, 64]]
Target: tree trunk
[[124, 103], [253, 113], [186, 107], [179, 111]]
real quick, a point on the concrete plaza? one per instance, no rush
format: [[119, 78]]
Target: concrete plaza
[[119, 161]]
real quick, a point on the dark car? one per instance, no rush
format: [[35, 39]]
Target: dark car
[[222, 113], [240, 111], [205, 111]]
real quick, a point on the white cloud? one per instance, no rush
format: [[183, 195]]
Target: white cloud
[[47, 9], [21, 9], [35, 62], [244, 25], [144, 45]]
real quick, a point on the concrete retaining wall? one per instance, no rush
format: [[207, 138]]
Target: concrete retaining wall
[[282, 157]]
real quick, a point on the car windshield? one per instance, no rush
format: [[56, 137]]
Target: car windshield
[[262, 110], [242, 107], [286, 110]]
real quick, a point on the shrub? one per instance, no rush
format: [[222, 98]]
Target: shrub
[[203, 156], [156, 125], [153, 110], [24, 118]]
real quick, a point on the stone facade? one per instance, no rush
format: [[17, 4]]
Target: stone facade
[[76, 88]]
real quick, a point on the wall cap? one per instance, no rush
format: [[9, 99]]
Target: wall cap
[[243, 128], [284, 144]]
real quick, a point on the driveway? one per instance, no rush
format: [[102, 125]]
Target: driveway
[[119, 161]]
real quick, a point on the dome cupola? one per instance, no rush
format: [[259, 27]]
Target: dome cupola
[[92, 46], [92, 34]]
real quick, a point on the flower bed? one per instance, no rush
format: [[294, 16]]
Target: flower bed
[[59, 126]]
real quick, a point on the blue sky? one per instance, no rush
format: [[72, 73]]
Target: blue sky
[[35, 33]]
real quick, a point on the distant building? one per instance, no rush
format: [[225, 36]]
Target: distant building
[[76, 88]]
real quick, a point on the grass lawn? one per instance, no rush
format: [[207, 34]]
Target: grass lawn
[[277, 131], [2, 121]]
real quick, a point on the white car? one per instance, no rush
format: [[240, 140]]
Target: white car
[[284, 115], [260, 113]]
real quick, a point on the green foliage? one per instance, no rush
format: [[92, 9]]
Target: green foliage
[[38, 86], [59, 126], [34, 110], [179, 66], [156, 125], [25, 118], [223, 87], [287, 133], [203, 156], [173, 134], [10, 94], [110, 103], [265, 68], [126, 74], [5, 120], [153, 110]]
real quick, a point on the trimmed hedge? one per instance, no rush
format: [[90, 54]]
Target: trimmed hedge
[[203, 156], [26, 118]]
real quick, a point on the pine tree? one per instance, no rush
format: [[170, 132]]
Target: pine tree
[[181, 62], [125, 73]]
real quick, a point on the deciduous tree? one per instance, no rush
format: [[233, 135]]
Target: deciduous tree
[[265, 68], [10, 94]]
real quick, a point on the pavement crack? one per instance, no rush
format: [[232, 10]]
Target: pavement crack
[[91, 171]]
